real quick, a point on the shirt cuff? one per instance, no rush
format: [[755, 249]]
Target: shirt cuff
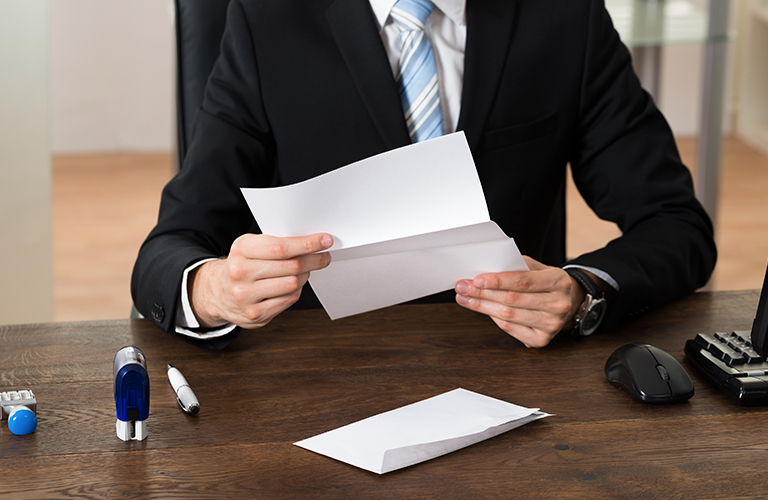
[[597, 272], [186, 323]]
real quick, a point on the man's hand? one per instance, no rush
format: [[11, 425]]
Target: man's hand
[[532, 306], [261, 277]]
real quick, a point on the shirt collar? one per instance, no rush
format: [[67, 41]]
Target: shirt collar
[[453, 9]]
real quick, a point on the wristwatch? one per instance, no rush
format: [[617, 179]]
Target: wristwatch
[[592, 311]]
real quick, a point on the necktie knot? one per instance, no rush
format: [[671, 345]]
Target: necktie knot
[[411, 15]]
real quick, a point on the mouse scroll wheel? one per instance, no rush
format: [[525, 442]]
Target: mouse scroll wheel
[[662, 372]]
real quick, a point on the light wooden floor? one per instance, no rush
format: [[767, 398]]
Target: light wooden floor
[[104, 206]]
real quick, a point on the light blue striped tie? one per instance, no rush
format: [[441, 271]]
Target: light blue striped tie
[[417, 79]]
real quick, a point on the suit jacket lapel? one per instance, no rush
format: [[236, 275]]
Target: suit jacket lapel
[[354, 28], [489, 29]]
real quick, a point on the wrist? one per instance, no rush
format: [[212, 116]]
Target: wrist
[[591, 310], [202, 296], [577, 298]]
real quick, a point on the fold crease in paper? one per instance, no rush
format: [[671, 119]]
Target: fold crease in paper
[[406, 223]]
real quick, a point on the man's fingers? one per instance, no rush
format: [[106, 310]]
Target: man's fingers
[[254, 270], [262, 290], [530, 337], [532, 327], [542, 317], [467, 289], [265, 247], [532, 306], [260, 314], [534, 281], [533, 299]]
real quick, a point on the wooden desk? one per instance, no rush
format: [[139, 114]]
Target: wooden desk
[[303, 375]]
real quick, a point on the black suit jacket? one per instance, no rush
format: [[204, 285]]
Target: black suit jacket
[[303, 87]]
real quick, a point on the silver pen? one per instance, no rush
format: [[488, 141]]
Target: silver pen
[[184, 395]]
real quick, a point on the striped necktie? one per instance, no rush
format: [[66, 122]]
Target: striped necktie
[[417, 78]]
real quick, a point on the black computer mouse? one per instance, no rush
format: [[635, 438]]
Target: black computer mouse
[[648, 374]]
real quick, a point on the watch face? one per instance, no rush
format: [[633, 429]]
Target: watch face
[[594, 316]]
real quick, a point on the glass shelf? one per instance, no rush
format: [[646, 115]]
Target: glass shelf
[[646, 23]]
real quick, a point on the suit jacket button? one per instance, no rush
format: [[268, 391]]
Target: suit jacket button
[[158, 313]]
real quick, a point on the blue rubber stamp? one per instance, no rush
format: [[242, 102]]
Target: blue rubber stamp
[[131, 393], [19, 408]]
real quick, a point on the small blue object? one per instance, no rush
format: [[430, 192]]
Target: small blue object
[[22, 421], [129, 369]]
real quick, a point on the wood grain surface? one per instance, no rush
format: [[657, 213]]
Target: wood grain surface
[[304, 374]]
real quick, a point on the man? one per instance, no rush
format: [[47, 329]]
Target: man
[[301, 88]]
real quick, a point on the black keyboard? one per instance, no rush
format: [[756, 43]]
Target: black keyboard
[[730, 362]]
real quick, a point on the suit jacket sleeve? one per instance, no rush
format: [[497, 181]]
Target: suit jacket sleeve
[[202, 211], [628, 170]]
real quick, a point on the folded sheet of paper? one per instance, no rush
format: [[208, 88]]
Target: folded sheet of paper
[[406, 223], [421, 431]]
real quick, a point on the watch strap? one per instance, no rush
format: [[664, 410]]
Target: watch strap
[[594, 298], [585, 281]]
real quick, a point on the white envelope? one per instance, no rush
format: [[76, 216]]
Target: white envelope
[[406, 223], [420, 431]]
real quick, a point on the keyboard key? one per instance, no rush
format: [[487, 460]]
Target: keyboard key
[[743, 334], [720, 367], [722, 351], [705, 340], [754, 373], [751, 356]]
